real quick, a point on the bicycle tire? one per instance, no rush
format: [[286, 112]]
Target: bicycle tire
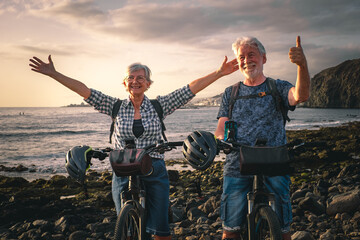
[[267, 225], [127, 224]]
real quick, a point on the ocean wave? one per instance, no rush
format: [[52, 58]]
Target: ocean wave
[[312, 125], [31, 134]]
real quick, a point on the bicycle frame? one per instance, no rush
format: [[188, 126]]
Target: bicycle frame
[[257, 198], [135, 195], [261, 203], [133, 198]]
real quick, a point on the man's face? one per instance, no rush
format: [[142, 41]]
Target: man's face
[[250, 61]]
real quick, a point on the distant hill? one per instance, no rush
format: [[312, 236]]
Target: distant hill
[[79, 105], [214, 101], [335, 87]]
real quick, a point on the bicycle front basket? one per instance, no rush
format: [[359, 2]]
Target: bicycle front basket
[[270, 161], [132, 161]]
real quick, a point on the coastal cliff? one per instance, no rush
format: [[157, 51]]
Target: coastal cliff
[[336, 87]]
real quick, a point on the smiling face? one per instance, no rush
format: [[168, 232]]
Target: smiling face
[[136, 83], [251, 62]]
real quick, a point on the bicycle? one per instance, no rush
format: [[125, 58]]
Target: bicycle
[[130, 223], [262, 221]]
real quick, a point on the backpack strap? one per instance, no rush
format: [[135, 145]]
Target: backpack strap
[[271, 84], [114, 113], [273, 91], [158, 110], [160, 113], [233, 97]]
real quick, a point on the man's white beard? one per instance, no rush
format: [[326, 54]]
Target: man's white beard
[[253, 74]]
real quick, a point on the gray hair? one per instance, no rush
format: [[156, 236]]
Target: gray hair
[[138, 66], [251, 41]]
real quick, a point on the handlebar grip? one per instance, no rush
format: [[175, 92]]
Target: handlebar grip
[[175, 144], [99, 154]]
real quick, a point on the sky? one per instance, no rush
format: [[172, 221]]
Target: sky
[[94, 41]]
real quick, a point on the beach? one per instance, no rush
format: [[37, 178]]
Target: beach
[[325, 197]]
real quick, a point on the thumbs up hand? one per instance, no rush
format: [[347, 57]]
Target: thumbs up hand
[[296, 54]]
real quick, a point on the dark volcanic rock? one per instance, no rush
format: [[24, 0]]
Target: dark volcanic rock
[[336, 87], [325, 197]]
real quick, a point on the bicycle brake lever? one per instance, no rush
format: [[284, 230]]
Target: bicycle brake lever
[[299, 145], [225, 146]]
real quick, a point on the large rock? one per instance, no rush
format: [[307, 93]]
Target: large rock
[[302, 235], [310, 204], [347, 202], [336, 87]]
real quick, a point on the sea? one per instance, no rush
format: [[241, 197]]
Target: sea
[[39, 138]]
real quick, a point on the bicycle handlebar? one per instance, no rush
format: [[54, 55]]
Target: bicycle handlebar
[[162, 147]]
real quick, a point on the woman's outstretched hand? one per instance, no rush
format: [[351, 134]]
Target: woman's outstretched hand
[[228, 67], [48, 69], [41, 67]]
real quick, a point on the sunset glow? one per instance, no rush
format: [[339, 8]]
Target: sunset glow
[[94, 41]]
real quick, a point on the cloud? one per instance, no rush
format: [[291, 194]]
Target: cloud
[[204, 23], [328, 27], [82, 13], [45, 50], [322, 57]]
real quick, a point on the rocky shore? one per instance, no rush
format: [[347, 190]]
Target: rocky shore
[[325, 195]]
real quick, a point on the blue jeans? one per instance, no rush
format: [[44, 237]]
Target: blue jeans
[[234, 204], [157, 197]]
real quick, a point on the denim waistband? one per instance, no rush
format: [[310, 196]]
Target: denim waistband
[[156, 159]]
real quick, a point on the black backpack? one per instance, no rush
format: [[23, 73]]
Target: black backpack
[[157, 107], [271, 84]]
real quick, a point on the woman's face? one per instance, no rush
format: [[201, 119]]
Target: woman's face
[[136, 83]]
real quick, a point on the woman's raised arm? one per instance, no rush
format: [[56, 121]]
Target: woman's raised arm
[[48, 69], [225, 69]]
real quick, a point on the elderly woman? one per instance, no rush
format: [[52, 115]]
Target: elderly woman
[[137, 119]]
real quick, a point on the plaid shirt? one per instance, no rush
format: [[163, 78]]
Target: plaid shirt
[[150, 119]]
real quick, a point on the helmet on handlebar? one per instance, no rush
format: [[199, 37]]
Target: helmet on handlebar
[[77, 161], [200, 149]]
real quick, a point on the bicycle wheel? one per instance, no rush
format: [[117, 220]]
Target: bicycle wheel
[[267, 226], [127, 224]]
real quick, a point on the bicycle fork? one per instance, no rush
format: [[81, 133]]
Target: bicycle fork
[[142, 223], [257, 199], [135, 195]]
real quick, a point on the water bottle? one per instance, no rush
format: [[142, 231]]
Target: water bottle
[[230, 131]]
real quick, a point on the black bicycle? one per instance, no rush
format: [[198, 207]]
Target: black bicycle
[[262, 221], [131, 220], [130, 223]]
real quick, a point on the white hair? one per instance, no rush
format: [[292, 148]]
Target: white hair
[[138, 66], [251, 41]]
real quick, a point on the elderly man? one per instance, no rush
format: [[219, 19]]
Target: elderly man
[[258, 118]]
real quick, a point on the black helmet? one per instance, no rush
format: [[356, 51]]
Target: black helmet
[[200, 149], [77, 161]]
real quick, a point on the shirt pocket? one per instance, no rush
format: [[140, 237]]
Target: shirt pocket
[[152, 127], [124, 127]]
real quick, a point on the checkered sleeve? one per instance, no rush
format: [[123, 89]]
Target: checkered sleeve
[[175, 99], [101, 102]]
